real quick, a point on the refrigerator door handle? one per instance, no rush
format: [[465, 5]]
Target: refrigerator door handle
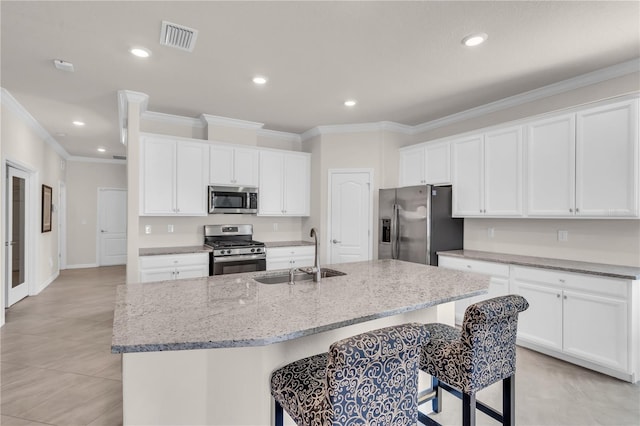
[[395, 235]]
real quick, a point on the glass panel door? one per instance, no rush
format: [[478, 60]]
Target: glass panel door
[[16, 232]]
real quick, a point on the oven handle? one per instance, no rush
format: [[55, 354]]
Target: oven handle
[[224, 259]]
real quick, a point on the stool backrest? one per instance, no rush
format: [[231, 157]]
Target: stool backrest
[[488, 340], [372, 378]]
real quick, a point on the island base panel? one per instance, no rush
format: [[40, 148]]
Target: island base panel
[[229, 386]]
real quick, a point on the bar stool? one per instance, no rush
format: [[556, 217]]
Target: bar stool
[[482, 353], [371, 378]]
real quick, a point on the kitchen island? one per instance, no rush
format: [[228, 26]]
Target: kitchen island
[[201, 351]]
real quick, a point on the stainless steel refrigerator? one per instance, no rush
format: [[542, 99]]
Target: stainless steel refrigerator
[[415, 223]]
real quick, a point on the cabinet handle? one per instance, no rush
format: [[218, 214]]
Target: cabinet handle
[[558, 296], [577, 210], [334, 241], [570, 210], [561, 280], [565, 297], [177, 272], [469, 266]]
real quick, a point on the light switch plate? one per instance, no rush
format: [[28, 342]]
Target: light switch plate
[[563, 236], [169, 228]]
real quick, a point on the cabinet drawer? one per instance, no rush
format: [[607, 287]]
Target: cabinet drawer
[[571, 280], [292, 251], [160, 261], [479, 266]]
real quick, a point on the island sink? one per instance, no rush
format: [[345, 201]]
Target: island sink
[[298, 276]]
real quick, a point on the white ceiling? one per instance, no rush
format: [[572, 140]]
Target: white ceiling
[[402, 61]]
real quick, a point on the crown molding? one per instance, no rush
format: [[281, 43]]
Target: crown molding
[[124, 98], [230, 122], [357, 128], [173, 119], [275, 134], [79, 159], [560, 87], [12, 104]]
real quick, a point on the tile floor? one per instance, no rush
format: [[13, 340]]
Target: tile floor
[[56, 362], [57, 369]]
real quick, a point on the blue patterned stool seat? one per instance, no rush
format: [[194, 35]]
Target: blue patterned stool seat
[[483, 352], [371, 378]]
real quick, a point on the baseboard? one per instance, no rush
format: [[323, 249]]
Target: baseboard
[[82, 266], [46, 283]]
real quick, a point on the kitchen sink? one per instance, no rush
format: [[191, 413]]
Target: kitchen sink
[[283, 277]]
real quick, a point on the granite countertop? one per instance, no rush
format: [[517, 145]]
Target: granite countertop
[[236, 311], [601, 269], [154, 251], [274, 244]]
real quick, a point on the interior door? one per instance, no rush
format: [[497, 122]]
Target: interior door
[[112, 222], [15, 234], [350, 217]]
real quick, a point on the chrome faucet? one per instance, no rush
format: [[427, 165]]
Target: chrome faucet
[[315, 270], [316, 261]]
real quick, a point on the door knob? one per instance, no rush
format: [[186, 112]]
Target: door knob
[[336, 241]]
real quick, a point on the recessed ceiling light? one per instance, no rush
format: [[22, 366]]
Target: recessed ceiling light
[[350, 103], [474, 39], [102, 150], [259, 80], [78, 123], [63, 65], [140, 52]]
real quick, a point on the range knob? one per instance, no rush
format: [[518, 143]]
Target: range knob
[[253, 250], [228, 251], [258, 250]]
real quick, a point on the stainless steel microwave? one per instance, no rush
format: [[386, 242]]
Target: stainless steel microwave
[[233, 199]]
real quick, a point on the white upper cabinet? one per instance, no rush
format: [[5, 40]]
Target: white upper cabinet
[[607, 160], [468, 176], [284, 183], [551, 166], [487, 174], [584, 164], [503, 172], [233, 166], [427, 163], [173, 177]]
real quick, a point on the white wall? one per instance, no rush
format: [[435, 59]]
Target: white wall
[[83, 180], [377, 150], [605, 241], [21, 144]]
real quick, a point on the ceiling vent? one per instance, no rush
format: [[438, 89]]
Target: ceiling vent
[[178, 36], [119, 157]]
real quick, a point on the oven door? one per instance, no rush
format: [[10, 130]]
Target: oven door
[[223, 265]]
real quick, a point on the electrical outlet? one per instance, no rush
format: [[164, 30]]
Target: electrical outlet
[[275, 226], [147, 229], [563, 236], [169, 228], [491, 232]]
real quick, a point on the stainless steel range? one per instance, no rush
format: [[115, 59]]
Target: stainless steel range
[[234, 249]]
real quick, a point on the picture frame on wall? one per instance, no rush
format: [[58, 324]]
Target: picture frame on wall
[[47, 194]]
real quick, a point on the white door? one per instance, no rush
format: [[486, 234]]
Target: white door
[[349, 216], [112, 222], [17, 206], [62, 225]]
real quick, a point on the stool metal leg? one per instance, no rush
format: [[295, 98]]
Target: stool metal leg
[[436, 402], [468, 409], [279, 416], [509, 401]]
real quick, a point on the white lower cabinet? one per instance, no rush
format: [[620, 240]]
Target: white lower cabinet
[[289, 257], [580, 318], [498, 286], [173, 267], [589, 320]]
